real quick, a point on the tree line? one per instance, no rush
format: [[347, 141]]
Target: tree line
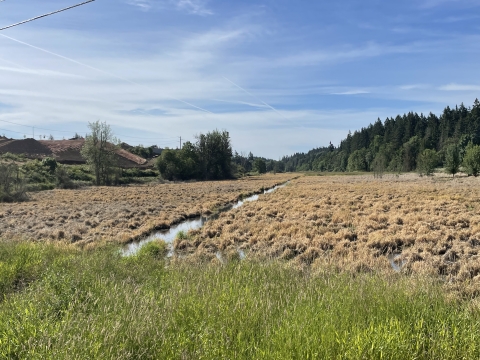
[[404, 143]]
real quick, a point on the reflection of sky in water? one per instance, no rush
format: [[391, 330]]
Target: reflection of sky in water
[[394, 263], [192, 224]]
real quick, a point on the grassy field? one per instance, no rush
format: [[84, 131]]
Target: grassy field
[[120, 214], [356, 223], [65, 303], [316, 282]]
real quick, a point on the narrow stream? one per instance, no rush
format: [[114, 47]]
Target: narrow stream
[[192, 224]]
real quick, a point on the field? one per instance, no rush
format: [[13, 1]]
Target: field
[[341, 267], [426, 226], [120, 214], [63, 303]]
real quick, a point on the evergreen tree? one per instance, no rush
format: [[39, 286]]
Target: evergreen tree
[[452, 160]]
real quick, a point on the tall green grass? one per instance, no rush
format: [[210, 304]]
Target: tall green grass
[[99, 305]]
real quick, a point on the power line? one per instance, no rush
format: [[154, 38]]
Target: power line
[[45, 15], [13, 131]]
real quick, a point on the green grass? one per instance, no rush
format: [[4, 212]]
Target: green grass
[[98, 305]]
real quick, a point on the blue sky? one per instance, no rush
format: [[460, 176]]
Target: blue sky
[[281, 76]]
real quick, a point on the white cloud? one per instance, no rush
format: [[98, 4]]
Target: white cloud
[[459, 3], [142, 4], [413, 87], [460, 87], [352, 92], [195, 7]]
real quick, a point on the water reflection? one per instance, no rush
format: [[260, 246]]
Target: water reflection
[[192, 224]]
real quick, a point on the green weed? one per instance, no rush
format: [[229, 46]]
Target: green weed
[[99, 305]]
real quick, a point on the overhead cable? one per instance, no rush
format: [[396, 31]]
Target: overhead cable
[[45, 15]]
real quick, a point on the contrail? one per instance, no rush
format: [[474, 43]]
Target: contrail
[[13, 63], [241, 102], [100, 71], [45, 15], [263, 102]]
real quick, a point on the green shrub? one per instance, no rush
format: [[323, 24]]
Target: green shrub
[[12, 183], [63, 179], [50, 163], [157, 250], [427, 162], [471, 159]]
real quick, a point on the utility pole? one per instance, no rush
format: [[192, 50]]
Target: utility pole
[[180, 143]]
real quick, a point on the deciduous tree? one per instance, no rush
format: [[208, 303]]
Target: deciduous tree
[[99, 152]]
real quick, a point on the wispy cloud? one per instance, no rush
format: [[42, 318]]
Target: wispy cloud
[[371, 49], [242, 103], [39, 72], [352, 92], [142, 4], [195, 7], [434, 3], [460, 87], [413, 86]]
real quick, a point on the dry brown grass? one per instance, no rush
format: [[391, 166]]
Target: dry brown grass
[[120, 214], [355, 222]]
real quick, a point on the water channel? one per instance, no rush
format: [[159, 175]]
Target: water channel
[[192, 224]]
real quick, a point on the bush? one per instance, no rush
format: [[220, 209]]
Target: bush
[[63, 179], [50, 163], [427, 162], [153, 250], [12, 184], [471, 159]]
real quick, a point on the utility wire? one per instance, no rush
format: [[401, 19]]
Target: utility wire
[[45, 15], [13, 131]]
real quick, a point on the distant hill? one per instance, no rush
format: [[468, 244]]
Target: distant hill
[[396, 142], [64, 151]]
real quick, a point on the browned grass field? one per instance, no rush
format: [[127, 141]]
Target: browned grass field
[[355, 223], [120, 214]]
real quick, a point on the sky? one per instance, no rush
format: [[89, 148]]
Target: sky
[[281, 76]]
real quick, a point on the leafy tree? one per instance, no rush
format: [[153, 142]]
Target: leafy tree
[[260, 166], [214, 155], [452, 160], [471, 159], [210, 158], [144, 152], [99, 152], [427, 161], [357, 161], [379, 165]]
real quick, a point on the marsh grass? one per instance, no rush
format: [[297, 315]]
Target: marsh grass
[[99, 305], [120, 214]]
